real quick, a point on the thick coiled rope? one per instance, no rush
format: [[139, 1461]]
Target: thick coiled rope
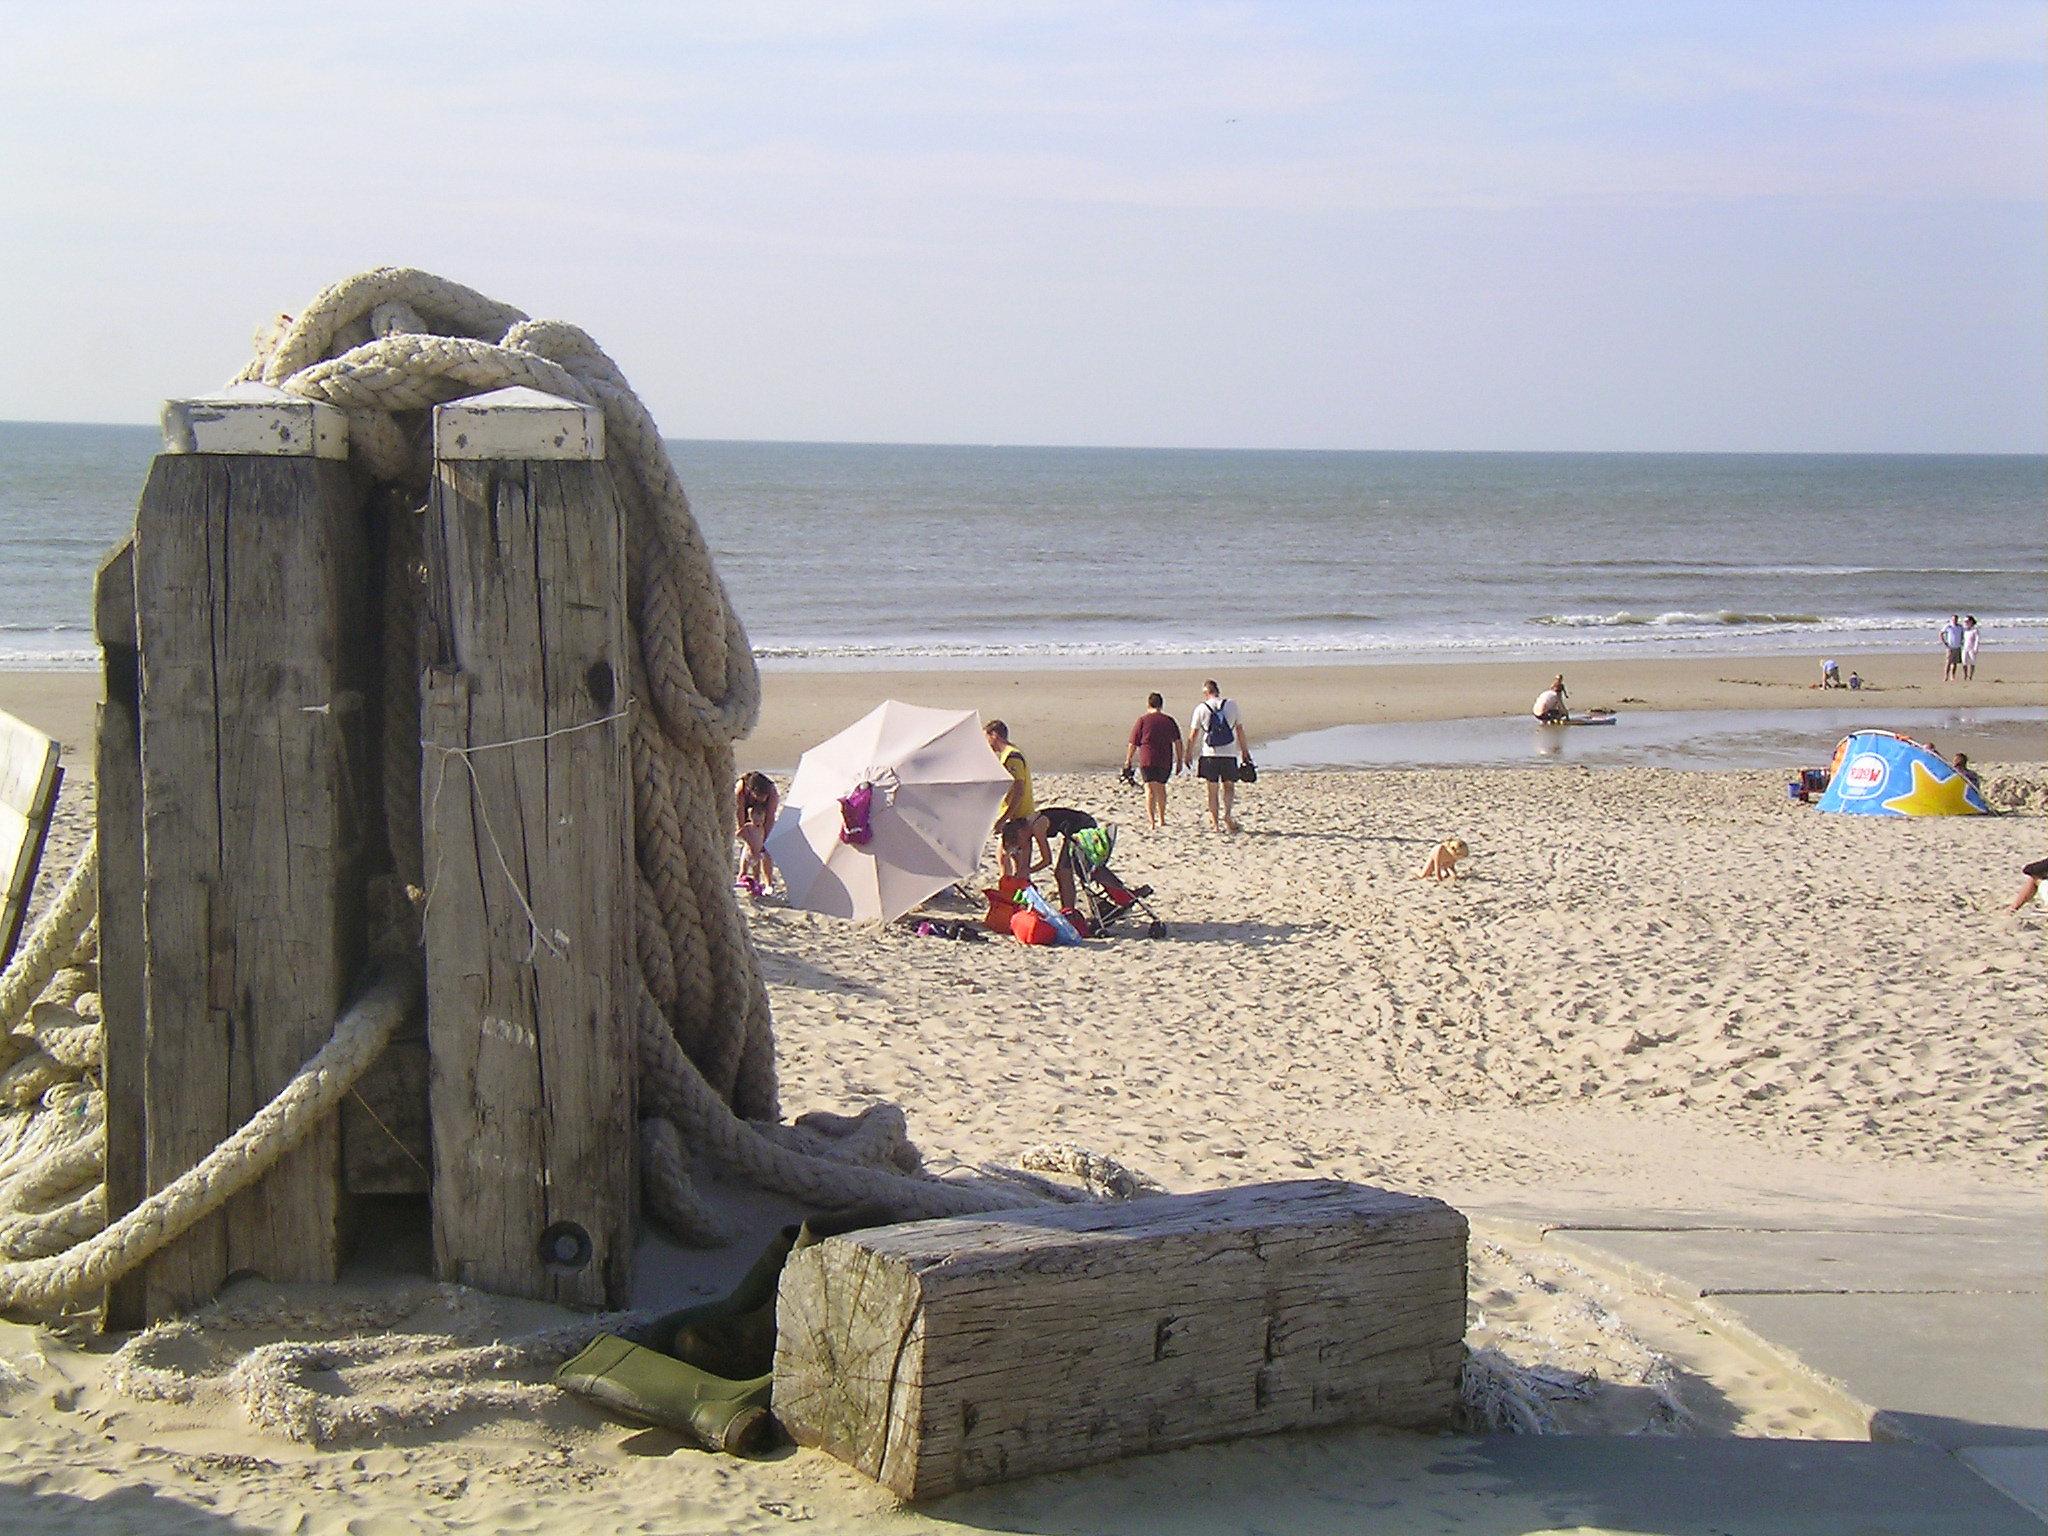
[[386, 346]]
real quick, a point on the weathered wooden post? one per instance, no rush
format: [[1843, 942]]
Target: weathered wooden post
[[526, 804], [254, 648], [945, 1354], [117, 811]]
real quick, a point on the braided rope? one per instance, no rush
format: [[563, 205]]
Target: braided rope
[[384, 346]]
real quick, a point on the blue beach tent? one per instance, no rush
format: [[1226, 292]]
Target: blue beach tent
[[1878, 773]]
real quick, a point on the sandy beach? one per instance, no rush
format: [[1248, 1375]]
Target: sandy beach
[[1651, 990]]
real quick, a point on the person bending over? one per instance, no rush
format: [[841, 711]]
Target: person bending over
[[754, 804], [1551, 706]]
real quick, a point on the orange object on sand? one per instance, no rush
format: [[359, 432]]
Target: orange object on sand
[[1002, 903], [1032, 928]]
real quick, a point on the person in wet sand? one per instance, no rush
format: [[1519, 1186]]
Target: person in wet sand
[[1551, 707], [1155, 748], [1952, 636], [1216, 739], [1013, 820]]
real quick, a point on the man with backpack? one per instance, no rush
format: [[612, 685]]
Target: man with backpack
[[1216, 742]]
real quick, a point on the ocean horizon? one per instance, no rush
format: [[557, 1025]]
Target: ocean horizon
[[937, 555]]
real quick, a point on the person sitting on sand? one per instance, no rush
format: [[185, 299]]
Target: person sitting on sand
[[1156, 747], [1551, 707], [1969, 774], [754, 804], [1013, 819], [2035, 872]]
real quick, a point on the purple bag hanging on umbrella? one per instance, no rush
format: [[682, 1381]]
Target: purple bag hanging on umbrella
[[855, 807]]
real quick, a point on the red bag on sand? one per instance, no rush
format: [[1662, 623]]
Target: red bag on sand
[[1002, 903], [1030, 928]]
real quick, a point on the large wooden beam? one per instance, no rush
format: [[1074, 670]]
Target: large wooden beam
[[526, 804], [254, 648], [117, 832], [946, 1354]]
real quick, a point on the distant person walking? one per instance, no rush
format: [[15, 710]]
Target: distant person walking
[[1216, 738], [1952, 637], [1972, 637], [1155, 748]]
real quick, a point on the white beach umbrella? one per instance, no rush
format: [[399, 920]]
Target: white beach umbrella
[[936, 788]]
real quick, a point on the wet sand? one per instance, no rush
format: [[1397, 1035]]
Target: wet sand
[[1079, 717]]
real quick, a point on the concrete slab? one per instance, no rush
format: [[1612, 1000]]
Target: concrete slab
[[1344, 1483], [1781, 1214], [1951, 1371], [1706, 1263], [2020, 1472]]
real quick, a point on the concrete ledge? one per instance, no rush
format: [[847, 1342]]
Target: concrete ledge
[[517, 423], [255, 419]]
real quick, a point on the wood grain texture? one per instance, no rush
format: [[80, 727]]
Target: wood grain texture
[[117, 832], [386, 1143], [29, 776], [253, 651], [526, 807], [946, 1354]]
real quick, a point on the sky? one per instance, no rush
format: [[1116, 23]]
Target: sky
[[1618, 226]]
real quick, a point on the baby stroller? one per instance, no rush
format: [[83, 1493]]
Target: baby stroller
[[1104, 899]]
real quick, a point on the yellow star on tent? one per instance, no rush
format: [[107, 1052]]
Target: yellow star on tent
[[1930, 796]]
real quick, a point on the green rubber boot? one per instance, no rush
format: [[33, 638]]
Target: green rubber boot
[[716, 1413]]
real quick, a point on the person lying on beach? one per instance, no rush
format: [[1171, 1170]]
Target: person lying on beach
[[2035, 872], [1442, 864], [754, 804]]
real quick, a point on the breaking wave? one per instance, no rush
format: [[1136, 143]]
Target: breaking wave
[[1672, 620]]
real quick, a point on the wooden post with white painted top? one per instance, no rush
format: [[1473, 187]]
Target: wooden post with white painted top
[[251, 625], [526, 809]]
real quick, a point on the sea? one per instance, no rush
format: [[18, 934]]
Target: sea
[[882, 555]]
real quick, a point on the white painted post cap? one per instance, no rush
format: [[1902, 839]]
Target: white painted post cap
[[518, 423], [258, 419]]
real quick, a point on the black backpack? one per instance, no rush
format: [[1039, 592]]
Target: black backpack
[[1218, 732]]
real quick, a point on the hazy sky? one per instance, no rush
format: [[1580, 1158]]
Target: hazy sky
[[1428, 225]]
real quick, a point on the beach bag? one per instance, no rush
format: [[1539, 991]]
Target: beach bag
[[1218, 733], [855, 807], [1002, 904], [1030, 927], [1063, 931], [1247, 772]]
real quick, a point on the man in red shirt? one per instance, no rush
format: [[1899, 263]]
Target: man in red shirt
[[1157, 749]]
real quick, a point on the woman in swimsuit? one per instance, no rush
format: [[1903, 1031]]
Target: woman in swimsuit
[[754, 803]]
